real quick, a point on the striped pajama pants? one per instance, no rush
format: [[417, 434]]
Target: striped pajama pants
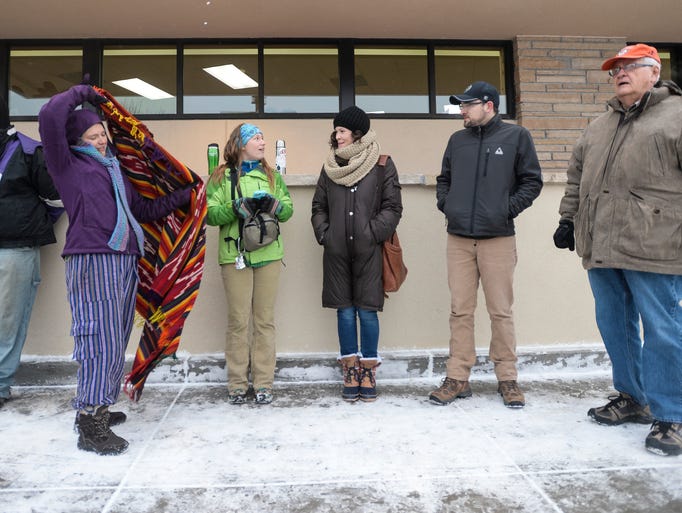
[[101, 289]]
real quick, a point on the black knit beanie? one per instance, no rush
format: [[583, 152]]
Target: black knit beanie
[[353, 118]]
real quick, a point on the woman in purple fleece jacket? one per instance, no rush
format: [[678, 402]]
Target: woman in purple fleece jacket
[[104, 241]]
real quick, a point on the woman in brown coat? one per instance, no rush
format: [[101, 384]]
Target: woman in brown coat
[[357, 206]]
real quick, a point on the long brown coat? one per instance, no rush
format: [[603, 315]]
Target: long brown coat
[[351, 226]]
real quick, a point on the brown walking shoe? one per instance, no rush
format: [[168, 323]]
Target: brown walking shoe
[[511, 394], [665, 438], [621, 408], [449, 390]]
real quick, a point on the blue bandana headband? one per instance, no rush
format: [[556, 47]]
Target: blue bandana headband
[[247, 131]]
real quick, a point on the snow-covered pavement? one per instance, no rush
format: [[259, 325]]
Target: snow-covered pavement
[[309, 452]]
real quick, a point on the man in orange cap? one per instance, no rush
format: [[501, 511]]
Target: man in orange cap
[[621, 212]]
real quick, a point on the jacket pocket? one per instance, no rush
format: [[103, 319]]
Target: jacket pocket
[[583, 232], [650, 232]]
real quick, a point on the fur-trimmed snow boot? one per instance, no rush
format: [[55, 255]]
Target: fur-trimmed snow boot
[[350, 367], [368, 383]]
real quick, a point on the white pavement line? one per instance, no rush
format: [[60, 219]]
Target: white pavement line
[[124, 481], [525, 475], [363, 481]]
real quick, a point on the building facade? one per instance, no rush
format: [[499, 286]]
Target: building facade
[[398, 60]]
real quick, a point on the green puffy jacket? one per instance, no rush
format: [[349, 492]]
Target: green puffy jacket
[[220, 213]]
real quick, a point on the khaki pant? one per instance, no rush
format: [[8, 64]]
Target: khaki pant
[[251, 295], [492, 261]]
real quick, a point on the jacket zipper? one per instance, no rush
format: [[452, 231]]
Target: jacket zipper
[[478, 168], [487, 158]]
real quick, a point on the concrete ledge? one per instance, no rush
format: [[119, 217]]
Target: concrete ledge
[[322, 367], [307, 180]]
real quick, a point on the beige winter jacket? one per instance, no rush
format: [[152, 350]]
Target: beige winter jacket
[[624, 189]]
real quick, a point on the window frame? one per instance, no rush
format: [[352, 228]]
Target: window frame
[[93, 62]]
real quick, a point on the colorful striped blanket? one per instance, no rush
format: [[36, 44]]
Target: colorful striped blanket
[[170, 271]]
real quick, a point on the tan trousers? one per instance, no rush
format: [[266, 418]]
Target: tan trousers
[[492, 261], [251, 295]]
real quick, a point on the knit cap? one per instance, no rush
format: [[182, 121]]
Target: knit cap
[[353, 118]]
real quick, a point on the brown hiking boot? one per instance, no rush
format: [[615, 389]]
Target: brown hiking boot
[[621, 408], [449, 390], [665, 438], [511, 394]]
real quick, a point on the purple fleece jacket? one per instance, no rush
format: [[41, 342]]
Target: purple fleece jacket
[[85, 186]]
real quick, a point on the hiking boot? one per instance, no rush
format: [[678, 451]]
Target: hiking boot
[[94, 434], [665, 438], [621, 408], [350, 367], [237, 396], [115, 418], [512, 397], [368, 382], [264, 396], [449, 390]]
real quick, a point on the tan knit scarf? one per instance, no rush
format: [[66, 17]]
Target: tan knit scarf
[[361, 157]]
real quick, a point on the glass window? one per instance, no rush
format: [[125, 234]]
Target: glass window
[[666, 67], [36, 74], [142, 79], [301, 79], [392, 80], [456, 68], [219, 79]]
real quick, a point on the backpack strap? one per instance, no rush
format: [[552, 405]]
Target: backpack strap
[[382, 160], [234, 188]]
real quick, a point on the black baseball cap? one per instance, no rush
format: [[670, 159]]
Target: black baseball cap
[[477, 91]]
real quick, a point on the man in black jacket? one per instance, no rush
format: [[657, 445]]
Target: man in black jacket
[[490, 174], [25, 225]]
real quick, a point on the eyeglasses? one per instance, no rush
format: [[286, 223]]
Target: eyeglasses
[[627, 68], [469, 104]]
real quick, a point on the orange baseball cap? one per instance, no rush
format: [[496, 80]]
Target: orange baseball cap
[[632, 52]]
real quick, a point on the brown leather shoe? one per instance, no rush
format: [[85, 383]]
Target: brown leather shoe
[[665, 438], [511, 394], [620, 409], [449, 390]]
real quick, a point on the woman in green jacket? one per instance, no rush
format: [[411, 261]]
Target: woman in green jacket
[[250, 278]]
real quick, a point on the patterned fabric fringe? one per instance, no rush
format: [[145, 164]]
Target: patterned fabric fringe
[[171, 269]]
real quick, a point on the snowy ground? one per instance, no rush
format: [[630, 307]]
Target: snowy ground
[[310, 452]]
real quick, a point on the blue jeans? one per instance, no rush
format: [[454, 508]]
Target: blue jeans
[[348, 331], [19, 279], [649, 371]]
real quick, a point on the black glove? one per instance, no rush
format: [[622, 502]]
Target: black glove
[[269, 204], [563, 236], [245, 207]]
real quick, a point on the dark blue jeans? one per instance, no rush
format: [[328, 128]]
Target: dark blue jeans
[[348, 331]]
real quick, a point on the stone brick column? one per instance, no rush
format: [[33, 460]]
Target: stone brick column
[[560, 86]]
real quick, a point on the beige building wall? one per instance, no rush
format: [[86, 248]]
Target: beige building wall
[[559, 89]]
